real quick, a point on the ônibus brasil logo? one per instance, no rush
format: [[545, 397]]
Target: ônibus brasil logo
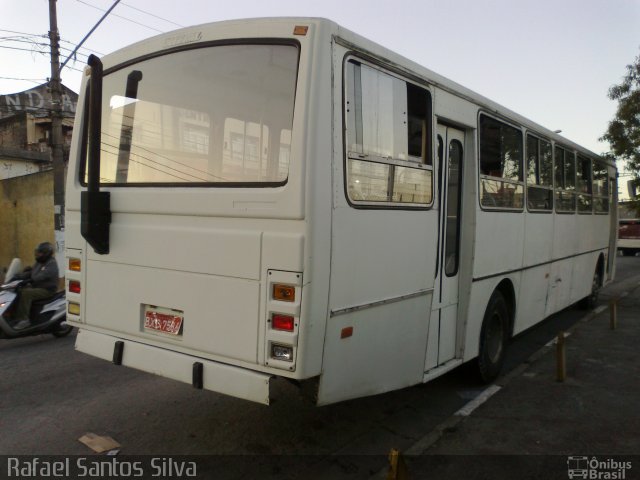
[[591, 468]]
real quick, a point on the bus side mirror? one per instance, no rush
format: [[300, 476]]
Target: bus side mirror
[[95, 206]]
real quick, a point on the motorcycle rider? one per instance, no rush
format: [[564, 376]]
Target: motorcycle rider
[[43, 277]]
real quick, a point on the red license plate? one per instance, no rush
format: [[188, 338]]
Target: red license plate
[[162, 322]]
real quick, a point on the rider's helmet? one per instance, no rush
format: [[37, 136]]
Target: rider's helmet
[[44, 252]]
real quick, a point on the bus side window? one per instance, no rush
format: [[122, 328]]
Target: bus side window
[[565, 176], [539, 175], [388, 130], [501, 152]]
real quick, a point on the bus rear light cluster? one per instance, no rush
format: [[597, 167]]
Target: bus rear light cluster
[[73, 308], [284, 294], [75, 265], [282, 322], [74, 286], [283, 353]]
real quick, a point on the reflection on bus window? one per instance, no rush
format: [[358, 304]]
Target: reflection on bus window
[[501, 153], [600, 187], [235, 129], [565, 178], [584, 184], [539, 174], [388, 138]]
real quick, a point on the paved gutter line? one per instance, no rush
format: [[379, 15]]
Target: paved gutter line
[[485, 395], [423, 444]]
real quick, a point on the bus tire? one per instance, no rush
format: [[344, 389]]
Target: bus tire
[[590, 302], [494, 335]]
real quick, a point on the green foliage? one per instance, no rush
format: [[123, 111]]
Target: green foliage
[[623, 133]]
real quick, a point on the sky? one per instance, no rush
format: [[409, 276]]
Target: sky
[[552, 61]]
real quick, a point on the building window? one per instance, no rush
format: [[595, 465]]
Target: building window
[[501, 152], [388, 138]]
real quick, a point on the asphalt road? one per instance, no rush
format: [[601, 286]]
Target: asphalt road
[[51, 395]]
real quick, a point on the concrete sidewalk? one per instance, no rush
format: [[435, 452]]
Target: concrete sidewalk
[[595, 412]]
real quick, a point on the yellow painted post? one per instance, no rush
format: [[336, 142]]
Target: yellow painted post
[[397, 468]]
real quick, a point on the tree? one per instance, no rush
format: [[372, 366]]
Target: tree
[[623, 133]]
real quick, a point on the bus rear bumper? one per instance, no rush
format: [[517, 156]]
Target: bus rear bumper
[[218, 377]]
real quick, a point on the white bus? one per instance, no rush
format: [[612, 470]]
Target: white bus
[[269, 198]]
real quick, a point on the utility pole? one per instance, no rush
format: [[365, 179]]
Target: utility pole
[[57, 155]]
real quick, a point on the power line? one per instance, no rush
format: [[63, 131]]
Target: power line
[[166, 158], [18, 38], [23, 49], [26, 35], [107, 12], [32, 42], [82, 48], [120, 16], [117, 149], [23, 33], [34, 80], [153, 15]]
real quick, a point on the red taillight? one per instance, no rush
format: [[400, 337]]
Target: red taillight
[[282, 322], [74, 286]]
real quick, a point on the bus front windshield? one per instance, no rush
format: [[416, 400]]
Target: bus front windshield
[[212, 115]]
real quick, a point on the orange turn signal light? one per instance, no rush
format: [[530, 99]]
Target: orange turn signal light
[[284, 293], [75, 265]]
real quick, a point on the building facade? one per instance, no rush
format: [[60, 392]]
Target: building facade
[[26, 176], [25, 130]]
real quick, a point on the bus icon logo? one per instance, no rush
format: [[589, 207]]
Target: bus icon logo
[[578, 467]]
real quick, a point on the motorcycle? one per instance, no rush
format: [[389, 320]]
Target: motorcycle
[[47, 315]]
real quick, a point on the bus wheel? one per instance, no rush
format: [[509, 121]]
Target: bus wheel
[[590, 302], [493, 338]]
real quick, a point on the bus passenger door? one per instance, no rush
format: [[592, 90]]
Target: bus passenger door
[[442, 329]]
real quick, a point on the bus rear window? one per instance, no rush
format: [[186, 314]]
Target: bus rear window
[[213, 115]]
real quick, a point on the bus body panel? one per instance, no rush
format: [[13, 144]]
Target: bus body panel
[[377, 291], [385, 352], [219, 377], [537, 247], [499, 242], [221, 315], [206, 252], [532, 297]]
